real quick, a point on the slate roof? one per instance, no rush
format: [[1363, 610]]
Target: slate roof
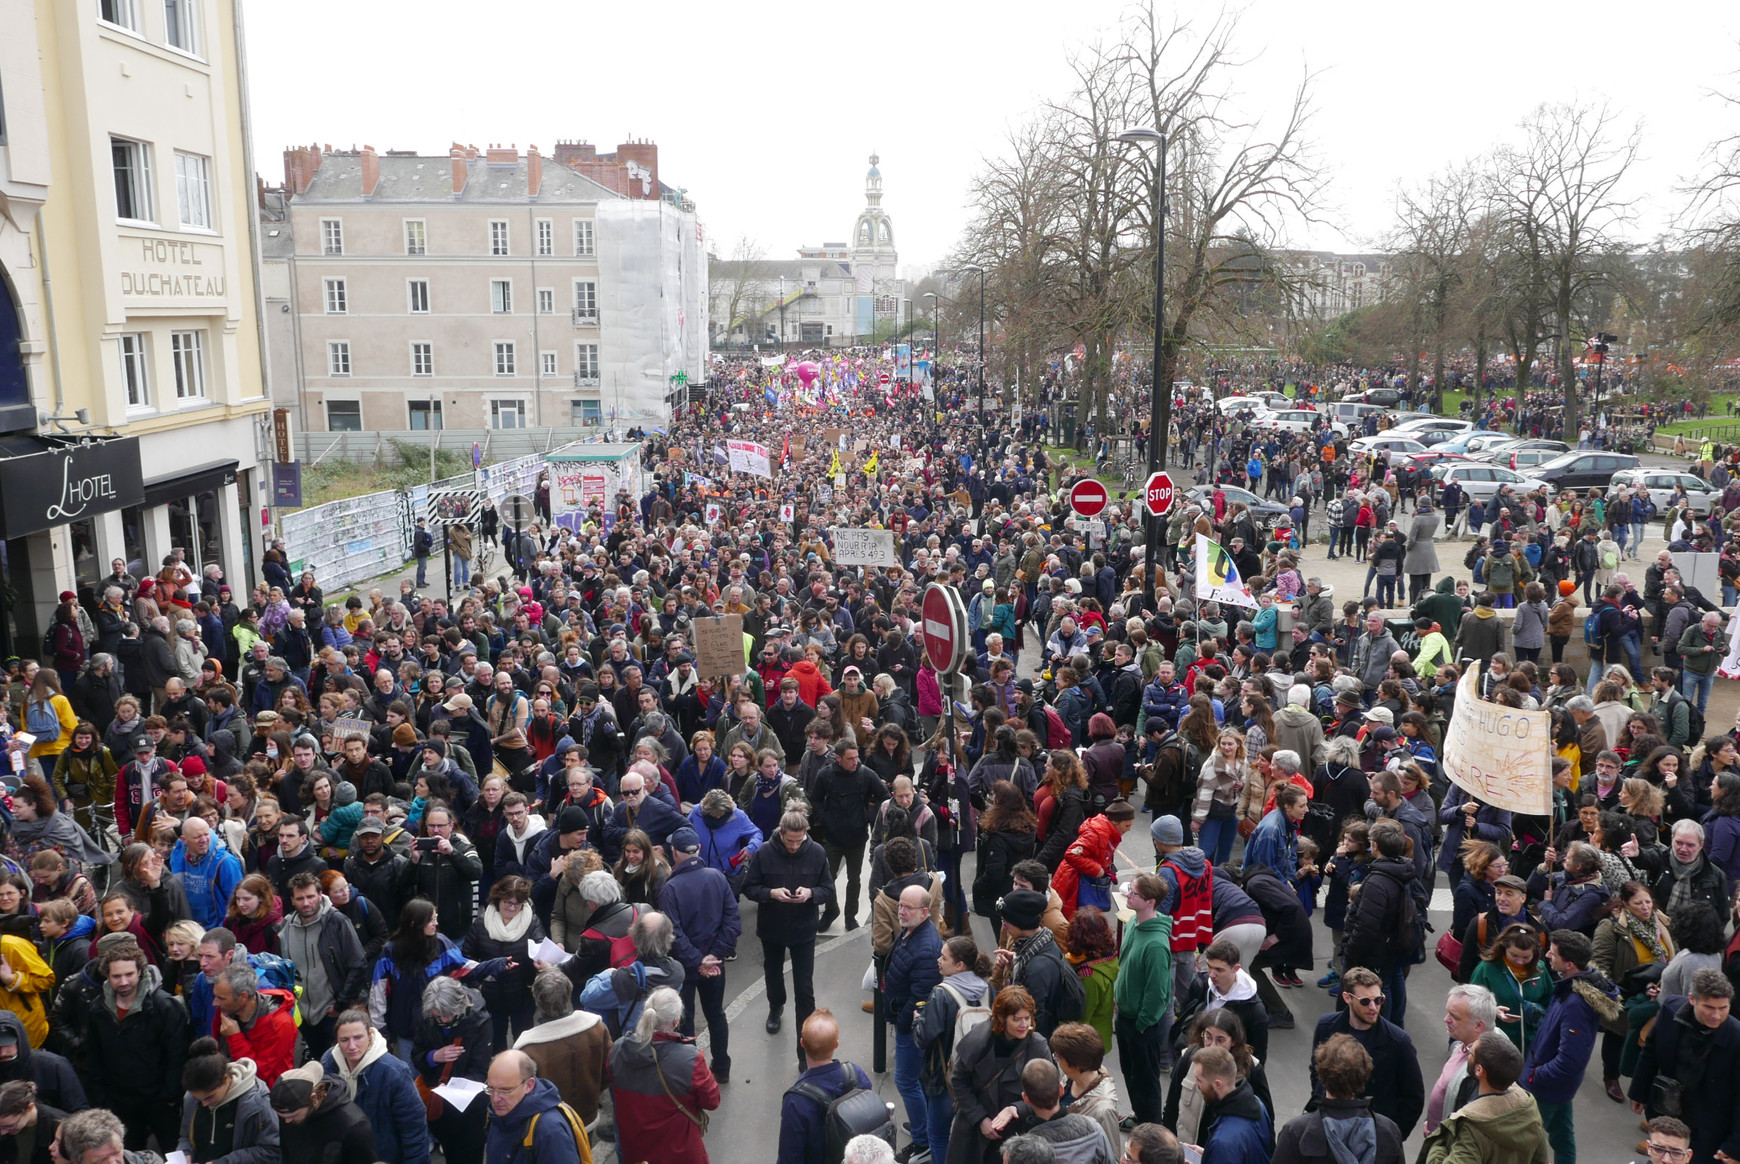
[[430, 179]]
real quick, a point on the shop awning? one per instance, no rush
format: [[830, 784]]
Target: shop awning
[[186, 483]]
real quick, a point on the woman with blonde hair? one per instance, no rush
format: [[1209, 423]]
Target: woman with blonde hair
[[1218, 784]]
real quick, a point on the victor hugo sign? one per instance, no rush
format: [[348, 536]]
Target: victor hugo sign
[[39, 491]]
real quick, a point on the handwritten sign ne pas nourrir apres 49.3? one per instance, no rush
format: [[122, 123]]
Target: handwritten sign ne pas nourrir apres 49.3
[[1500, 755], [864, 547]]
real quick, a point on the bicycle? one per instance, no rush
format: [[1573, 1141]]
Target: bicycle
[[98, 822]]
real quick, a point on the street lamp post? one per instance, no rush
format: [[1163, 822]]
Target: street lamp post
[[975, 269], [1160, 398], [935, 333]]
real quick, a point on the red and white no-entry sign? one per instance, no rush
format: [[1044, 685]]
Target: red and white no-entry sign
[[1159, 493], [944, 628], [1088, 498]]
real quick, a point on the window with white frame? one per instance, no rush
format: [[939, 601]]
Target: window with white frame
[[338, 357], [498, 236], [417, 292], [187, 353], [546, 301], [501, 296], [507, 414], [332, 236], [193, 190], [344, 416], [585, 300], [546, 236], [586, 362], [583, 239], [132, 165], [505, 361], [583, 413], [181, 25], [121, 13], [135, 370], [416, 237], [337, 296], [422, 359], [549, 362]]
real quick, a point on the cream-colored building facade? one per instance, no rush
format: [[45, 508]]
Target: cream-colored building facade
[[133, 418], [487, 288]]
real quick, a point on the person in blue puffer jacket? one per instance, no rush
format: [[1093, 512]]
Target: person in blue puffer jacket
[[728, 837]]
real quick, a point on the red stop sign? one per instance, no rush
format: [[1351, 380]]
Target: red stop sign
[[885, 377], [1088, 497], [1159, 493]]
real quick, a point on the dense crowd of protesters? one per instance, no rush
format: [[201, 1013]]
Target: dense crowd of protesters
[[403, 871]]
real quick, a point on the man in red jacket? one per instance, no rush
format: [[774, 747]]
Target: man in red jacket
[[255, 1024]]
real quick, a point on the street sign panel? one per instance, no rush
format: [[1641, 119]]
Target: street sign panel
[[518, 511], [1088, 498], [1159, 494], [944, 618]]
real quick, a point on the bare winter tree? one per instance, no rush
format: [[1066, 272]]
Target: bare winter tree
[[737, 287], [1711, 230], [1234, 184], [1430, 243], [1561, 190]]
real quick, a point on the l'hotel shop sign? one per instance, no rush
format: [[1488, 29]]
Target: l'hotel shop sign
[[43, 490]]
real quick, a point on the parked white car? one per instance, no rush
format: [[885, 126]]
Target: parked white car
[[1484, 481], [1297, 420], [1428, 420], [1661, 483], [1367, 445]]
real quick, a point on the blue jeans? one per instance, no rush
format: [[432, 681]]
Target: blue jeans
[[908, 1063], [461, 571], [1697, 687], [422, 569], [939, 1113], [1636, 537], [1396, 996], [1216, 837], [1386, 590]]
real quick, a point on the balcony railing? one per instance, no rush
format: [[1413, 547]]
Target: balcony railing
[[585, 318], [582, 380]]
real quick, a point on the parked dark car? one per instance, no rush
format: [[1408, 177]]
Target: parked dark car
[[1584, 469], [1264, 513]]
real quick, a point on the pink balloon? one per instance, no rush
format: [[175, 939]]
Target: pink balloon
[[807, 372]]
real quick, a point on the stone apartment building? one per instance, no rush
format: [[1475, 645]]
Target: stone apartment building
[[481, 289]]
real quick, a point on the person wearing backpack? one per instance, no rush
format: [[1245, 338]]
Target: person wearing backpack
[[528, 1122], [1380, 932], [957, 1005], [1037, 965], [986, 1076], [806, 1131], [49, 716]]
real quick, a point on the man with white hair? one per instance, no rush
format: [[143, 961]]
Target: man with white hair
[[868, 1150], [1469, 1012]]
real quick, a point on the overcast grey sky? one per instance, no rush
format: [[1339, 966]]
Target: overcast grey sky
[[767, 115]]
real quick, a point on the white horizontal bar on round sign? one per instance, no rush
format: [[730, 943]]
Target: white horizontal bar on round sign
[[939, 629]]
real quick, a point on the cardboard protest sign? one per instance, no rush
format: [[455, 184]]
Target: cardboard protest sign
[[719, 645], [864, 547]]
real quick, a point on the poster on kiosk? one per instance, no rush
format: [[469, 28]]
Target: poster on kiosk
[[585, 481]]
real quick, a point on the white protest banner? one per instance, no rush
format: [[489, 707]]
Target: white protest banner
[[787, 512], [1500, 755], [1729, 668], [713, 514], [864, 547], [748, 457]]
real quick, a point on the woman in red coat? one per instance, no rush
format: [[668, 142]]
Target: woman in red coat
[[1094, 852]]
